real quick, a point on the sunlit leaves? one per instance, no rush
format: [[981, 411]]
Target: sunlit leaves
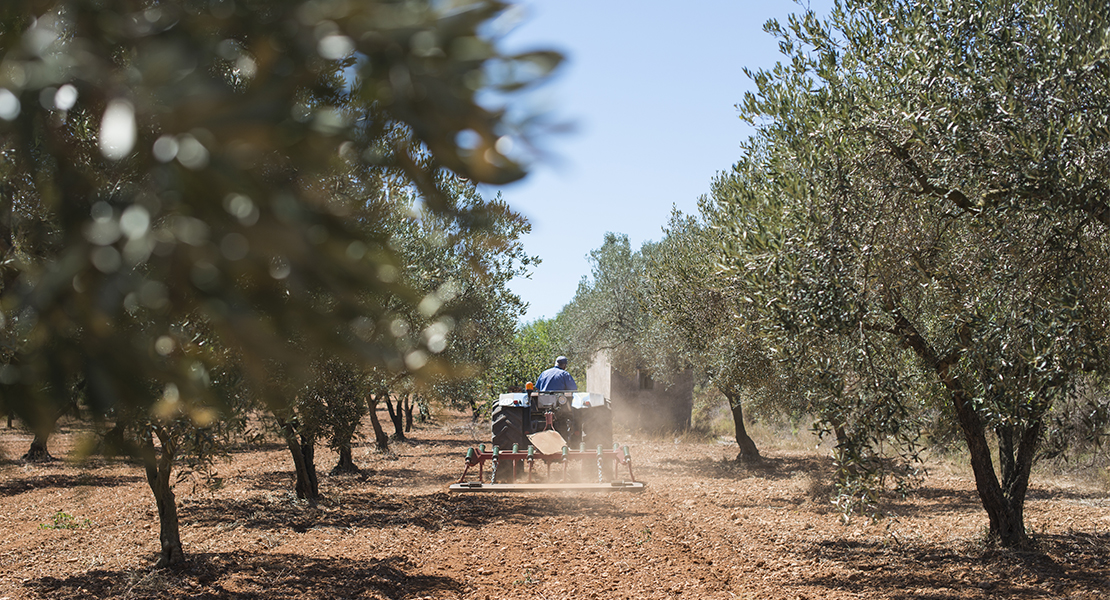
[[924, 205]]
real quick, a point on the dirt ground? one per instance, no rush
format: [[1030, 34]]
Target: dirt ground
[[702, 528]]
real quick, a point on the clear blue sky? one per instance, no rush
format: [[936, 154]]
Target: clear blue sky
[[650, 87]]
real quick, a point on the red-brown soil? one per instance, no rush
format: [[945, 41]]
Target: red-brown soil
[[703, 528]]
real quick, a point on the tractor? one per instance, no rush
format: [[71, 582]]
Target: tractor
[[581, 418], [568, 428]]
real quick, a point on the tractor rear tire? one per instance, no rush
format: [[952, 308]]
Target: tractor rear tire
[[508, 429]]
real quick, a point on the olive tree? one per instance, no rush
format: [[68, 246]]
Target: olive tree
[[920, 221], [607, 311], [462, 263]]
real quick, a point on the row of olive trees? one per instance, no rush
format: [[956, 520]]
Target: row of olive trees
[[467, 317], [664, 310], [200, 201], [919, 228], [620, 310], [912, 249]]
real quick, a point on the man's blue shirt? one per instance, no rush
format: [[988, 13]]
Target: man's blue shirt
[[555, 380]]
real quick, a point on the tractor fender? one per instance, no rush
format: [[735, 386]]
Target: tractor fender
[[515, 399], [588, 400]]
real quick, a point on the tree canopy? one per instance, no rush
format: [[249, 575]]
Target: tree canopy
[[919, 222]]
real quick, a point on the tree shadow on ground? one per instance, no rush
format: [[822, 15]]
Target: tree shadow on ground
[[270, 481], [367, 509], [931, 500], [19, 485], [452, 443], [906, 569], [246, 575], [1093, 497], [257, 446], [448, 454], [769, 468], [285, 481]]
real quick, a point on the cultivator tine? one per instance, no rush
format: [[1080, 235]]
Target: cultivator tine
[[628, 461], [471, 460], [566, 462], [531, 461], [600, 465], [481, 464], [516, 449], [493, 466], [616, 460]]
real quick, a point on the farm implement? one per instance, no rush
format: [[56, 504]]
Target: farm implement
[[528, 429]]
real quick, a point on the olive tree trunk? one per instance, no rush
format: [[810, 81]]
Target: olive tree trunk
[[303, 450], [397, 417], [748, 452], [1005, 505], [158, 463], [38, 452], [381, 440], [408, 413], [346, 463]]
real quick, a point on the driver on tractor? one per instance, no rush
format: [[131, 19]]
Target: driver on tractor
[[557, 378]]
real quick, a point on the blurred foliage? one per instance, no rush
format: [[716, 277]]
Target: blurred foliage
[[919, 226], [211, 206], [235, 166]]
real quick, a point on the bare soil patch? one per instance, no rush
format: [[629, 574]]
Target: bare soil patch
[[704, 528]]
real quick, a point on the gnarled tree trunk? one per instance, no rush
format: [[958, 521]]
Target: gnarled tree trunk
[[303, 451], [38, 452], [1005, 507], [381, 440], [346, 463], [408, 413], [308, 450], [397, 417], [748, 452], [158, 463]]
